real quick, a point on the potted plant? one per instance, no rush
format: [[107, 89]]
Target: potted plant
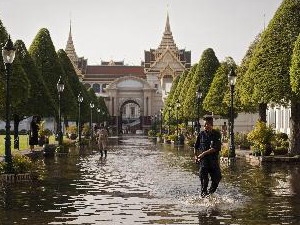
[[159, 137], [166, 139], [44, 134], [72, 132], [281, 144], [261, 138]]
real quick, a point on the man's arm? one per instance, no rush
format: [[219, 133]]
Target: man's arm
[[207, 152]]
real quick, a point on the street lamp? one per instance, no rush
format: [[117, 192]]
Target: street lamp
[[8, 54], [91, 123], [155, 123], [199, 96], [98, 110], [169, 116], [80, 100], [60, 88], [177, 109], [161, 119], [232, 81]]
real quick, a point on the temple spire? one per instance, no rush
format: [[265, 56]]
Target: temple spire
[[167, 28], [167, 39], [70, 49]]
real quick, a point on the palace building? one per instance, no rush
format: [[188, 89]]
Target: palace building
[[134, 94]]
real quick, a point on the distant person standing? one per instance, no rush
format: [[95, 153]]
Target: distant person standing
[[34, 132], [102, 139], [206, 150], [224, 132]]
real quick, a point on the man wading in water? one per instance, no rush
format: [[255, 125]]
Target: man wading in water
[[206, 151]]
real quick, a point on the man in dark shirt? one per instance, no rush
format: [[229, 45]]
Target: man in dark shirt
[[206, 151]]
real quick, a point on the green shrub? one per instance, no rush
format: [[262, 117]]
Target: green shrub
[[151, 133], [86, 131], [280, 144], [190, 141], [61, 149], [241, 140], [72, 129], [261, 137], [20, 164], [172, 137], [224, 151]]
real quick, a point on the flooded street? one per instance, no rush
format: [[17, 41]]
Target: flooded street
[[141, 182]]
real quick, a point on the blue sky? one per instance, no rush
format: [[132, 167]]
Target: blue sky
[[123, 29]]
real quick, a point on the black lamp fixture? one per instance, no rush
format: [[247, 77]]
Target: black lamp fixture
[[161, 119], [177, 110], [60, 88], [232, 81], [169, 118], [80, 100], [8, 54], [92, 105], [98, 111]]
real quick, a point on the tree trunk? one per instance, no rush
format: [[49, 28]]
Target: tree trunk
[[295, 127], [262, 111]]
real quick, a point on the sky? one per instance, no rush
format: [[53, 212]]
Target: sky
[[123, 29]]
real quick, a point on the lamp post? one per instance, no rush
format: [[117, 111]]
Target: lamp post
[[161, 119], [91, 122], [99, 111], [169, 120], [80, 100], [232, 81], [8, 54], [60, 88], [177, 109], [199, 96], [155, 123]]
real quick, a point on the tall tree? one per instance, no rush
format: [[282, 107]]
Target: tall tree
[[73, 82], [295, 85], [202, 78], [269, 69], [217, 98], [183, 91], [243, 88], [43, 52], [3, 39], [39, 102]]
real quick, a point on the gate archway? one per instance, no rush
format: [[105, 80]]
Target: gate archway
[[135, 91]]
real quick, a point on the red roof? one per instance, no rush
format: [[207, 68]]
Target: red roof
[[117, 70]]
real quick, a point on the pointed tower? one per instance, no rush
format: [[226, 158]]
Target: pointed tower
[[79, 64], [167, 39], [164, 64], [70, 49]]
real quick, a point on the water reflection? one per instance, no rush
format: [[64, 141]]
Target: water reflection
[[141, 182]]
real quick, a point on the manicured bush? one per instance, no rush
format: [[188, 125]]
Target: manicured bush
[[261, 137]]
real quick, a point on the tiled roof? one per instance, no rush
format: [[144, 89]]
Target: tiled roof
[[116, 70]]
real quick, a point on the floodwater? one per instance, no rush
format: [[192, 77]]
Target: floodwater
[[143, 182]]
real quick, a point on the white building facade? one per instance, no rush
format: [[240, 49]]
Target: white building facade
[[279, 117]]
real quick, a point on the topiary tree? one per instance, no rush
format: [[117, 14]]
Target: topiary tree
[[295, 102], [43, 53], [243, 88], [202, 78], [38, 90], [217, 99], [269, 70]]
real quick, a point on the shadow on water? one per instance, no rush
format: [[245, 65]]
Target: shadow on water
[[143, 182]]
